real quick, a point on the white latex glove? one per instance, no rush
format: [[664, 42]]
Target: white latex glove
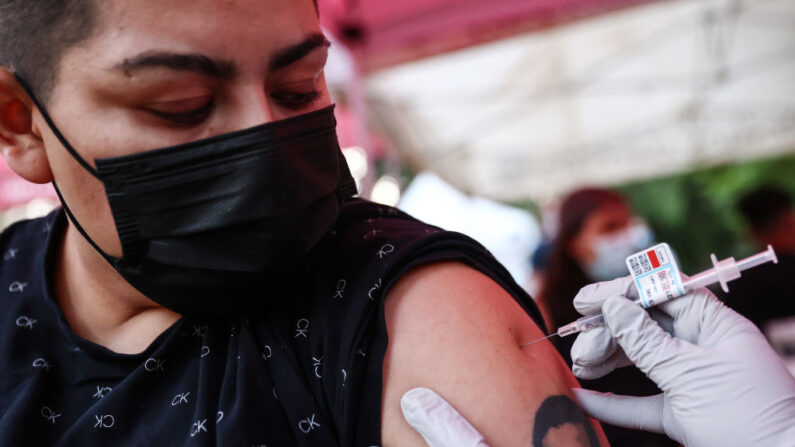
[[722, 383], [437, 421]]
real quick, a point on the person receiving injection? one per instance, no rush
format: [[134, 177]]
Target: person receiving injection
[[722, 383]]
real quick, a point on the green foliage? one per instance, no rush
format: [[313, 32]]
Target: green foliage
[[695, 212]]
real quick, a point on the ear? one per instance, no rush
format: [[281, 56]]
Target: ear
[[21, 146]]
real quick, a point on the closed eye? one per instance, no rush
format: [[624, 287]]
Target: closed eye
[[295, 100], [190, 112]]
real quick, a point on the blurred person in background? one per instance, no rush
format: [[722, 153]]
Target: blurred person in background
[[596, 232], [767, 293]]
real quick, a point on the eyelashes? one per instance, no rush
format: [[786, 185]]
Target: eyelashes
[[296, 101], [188, 118], [288, 100]]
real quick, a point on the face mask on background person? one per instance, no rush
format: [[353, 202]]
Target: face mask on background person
[[216, 226], [611, 251]]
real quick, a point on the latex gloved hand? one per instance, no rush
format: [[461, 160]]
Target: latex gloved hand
[[437, 421], [722, 383]]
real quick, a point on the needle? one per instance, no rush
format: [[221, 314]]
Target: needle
[[536, 341]]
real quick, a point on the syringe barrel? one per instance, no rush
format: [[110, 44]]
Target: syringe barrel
[[758, 259], [583, 324], [590, 322], [703, 279]]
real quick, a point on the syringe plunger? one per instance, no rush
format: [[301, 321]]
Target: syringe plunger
[[728, 270]]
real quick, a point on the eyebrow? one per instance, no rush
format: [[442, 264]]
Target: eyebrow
[[214, 68], [292, 54], [197, 63]]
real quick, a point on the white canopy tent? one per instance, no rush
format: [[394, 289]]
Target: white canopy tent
[[647, 91], [510, 234]]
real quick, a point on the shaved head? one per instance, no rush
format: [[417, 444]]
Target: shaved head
[[34, 34]]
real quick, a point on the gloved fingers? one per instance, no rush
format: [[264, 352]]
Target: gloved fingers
[[597, 370], [593, 347], [595, 353], [644, 342], [640, 413], [663, 319], [597, 348], [437, 421], [590, 298], [701, 318], [688, 313]]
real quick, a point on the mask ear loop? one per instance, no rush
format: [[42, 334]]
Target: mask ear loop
[[55, 130], [111, 260], [78, 158]]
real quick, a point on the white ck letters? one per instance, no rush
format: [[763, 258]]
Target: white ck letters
[[104, 421], [180, 399], [308, 424], [153, 364], [49, 414], [302, 328]]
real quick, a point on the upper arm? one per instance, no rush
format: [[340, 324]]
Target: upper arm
[[454, 330]]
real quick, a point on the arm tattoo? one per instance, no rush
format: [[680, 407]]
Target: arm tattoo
[[557, 411]]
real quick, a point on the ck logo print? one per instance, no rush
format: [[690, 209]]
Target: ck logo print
[[104, 421], [102, 391], [10, 254], [42, 363], [199, 331], [26, 322], [152, 365], [376, 287], [308, 424], [302, 328], [385, 251], [317, 362], [267, 352], [17, 287], [180, 399], [198, 427], [49, 414], [340, 289]]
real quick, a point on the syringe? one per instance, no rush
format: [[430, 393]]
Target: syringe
[[722, 272]]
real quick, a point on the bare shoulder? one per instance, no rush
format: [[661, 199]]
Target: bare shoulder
[[454, 330]]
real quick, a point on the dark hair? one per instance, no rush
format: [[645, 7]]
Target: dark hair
[[34, 34], [763, 206], [564, 276]]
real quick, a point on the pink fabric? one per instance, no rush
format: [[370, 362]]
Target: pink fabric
[[395, 31], [15, 190]]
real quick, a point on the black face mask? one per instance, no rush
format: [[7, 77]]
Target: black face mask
[[218, 226]]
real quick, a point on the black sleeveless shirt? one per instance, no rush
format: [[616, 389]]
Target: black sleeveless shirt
[[306, 373]]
